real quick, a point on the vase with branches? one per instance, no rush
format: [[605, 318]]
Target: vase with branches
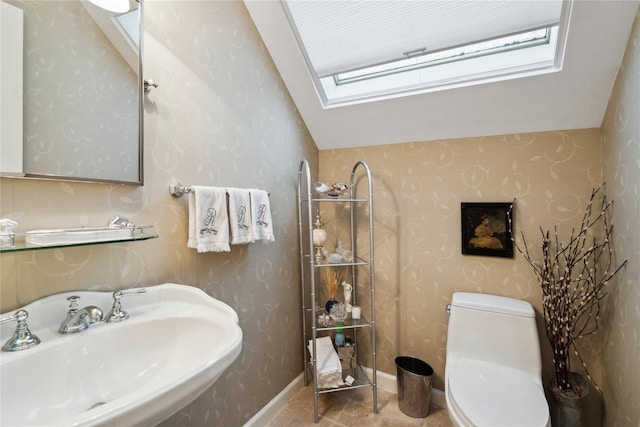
[[573, 275]]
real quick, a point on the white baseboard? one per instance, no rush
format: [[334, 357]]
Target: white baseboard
[[389, 383], [270, 410], [384, 381]]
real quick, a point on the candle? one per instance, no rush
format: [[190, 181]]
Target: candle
[[355, 312]]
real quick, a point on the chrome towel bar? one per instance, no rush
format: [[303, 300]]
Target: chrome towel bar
[[177, 189]]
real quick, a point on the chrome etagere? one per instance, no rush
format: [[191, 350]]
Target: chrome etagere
[[308, 206]]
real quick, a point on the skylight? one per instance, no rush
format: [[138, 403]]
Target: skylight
[[361, 51], [422, 60]]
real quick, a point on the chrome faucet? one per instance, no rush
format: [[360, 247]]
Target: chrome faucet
[[78, 320], [22, 338], [117, 314]]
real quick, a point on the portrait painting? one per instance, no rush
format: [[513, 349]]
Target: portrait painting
[[486, 229]]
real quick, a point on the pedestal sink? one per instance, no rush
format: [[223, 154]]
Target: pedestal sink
[[175, 344]]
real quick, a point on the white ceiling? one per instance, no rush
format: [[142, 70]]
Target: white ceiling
[[574, 98]]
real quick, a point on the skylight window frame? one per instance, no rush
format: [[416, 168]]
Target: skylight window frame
[[330, 97], [437, 62], [548, 59]]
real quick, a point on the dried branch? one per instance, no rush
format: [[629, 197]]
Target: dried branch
[[573, 277], [333, 279]]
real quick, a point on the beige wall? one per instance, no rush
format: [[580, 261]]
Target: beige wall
[[221, 116], [418, 190], [621, 130]]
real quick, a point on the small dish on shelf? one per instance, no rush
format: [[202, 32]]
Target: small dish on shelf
[[337, 189], [321, 188]]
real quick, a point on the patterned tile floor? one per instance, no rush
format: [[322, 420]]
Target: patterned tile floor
[[352, 408]]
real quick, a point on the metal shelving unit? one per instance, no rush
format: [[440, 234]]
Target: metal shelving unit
[[359, 270]]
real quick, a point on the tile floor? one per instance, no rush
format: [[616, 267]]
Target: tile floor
[[351, 408]]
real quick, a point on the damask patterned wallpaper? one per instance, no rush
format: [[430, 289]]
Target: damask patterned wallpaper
[[418, 188], [621, 351]]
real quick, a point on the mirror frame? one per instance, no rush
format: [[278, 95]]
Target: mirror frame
[[141, 93]]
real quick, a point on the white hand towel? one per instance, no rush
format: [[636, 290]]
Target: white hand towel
[[261, 216], [240, 224], [208, 220], [327, 363]]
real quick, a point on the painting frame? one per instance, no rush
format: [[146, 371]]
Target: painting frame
[[486, 228]]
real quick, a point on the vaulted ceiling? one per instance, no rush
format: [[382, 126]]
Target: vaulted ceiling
[[574, 98]]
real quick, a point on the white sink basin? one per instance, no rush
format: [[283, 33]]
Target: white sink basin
[[176, 343]]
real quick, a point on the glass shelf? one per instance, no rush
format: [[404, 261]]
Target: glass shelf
[[306, 198], [357, 261], [358, 374], [331, 200], [348, 323], [141, 232]]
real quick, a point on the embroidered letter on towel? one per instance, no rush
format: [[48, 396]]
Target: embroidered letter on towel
[[208, 220], [261, 216], [240, 224]]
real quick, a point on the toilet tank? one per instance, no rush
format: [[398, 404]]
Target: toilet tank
[[494, 329]]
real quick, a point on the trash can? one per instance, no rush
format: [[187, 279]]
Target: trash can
[[414, 386]]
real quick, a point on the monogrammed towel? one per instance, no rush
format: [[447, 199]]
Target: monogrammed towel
[[208, 220], [261, 216], [240, 224]]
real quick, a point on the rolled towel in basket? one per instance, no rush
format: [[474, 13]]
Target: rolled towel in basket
[[328, 363]]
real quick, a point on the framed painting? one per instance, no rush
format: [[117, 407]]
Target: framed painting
[[486, 230]]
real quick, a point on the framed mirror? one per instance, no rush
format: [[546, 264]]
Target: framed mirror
[[78, 115]]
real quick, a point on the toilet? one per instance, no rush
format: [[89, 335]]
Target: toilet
[[493, 368]]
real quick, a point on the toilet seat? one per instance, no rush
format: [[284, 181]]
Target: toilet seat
[[487, 394]]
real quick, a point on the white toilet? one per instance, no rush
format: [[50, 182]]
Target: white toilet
[[493, 369]]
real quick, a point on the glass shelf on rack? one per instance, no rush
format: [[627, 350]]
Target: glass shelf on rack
[[330, 200], [359, 376], [57, 238], [357, 261], [348, 323], [316, 199]]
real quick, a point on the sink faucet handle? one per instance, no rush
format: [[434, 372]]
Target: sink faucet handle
[[73, 303], [133, 291], [22, 339], [117, 314]]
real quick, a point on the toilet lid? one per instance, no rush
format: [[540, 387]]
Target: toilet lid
[[495, 395]]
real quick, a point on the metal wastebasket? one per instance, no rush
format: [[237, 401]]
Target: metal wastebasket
[[414, 386]]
